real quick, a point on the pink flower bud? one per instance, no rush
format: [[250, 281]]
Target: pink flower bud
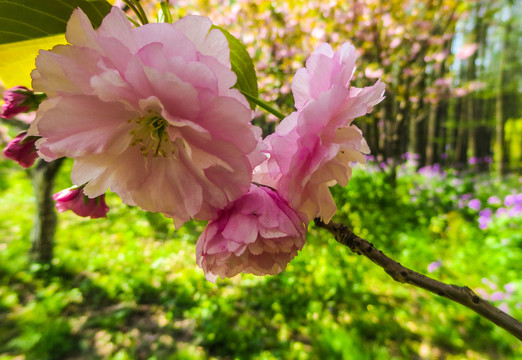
[[16, 100], [22, 149], [75, 200], [258, 234]]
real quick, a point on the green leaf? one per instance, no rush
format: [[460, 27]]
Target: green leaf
[[18, 59], [242, 66], [30, 19]]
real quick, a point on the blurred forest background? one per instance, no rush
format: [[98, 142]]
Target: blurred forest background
[[441, 194], [452, 69]]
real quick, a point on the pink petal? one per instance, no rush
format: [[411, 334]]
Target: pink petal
[[212, 43], [102, 129]]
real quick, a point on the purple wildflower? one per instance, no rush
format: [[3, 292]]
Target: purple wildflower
[[489, 283], [510, 288], [515, 211], [503, 307], [509, 200], [466, 196], [497, 296], [474, 204], [434, 266], [500, 211], [483, 222], [486, 213], [494, 200]]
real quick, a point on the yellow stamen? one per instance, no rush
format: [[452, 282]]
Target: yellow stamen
[[151, 136]]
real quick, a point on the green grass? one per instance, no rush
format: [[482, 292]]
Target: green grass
[[127, 287]]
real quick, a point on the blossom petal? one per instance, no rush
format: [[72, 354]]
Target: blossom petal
[[250, 246]]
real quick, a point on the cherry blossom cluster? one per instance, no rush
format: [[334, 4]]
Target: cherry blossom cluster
[[151, 112], [386, 34]]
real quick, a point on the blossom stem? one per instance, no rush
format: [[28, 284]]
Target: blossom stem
[[134, 22], [263, 105], [460, 294], [136, 7], [142, 12], [167, 16]]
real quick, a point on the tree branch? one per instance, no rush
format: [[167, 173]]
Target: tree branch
[[460, 294]]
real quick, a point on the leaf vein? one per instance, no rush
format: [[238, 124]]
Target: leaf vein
[[36, 10], [16, 34], [24, 23]]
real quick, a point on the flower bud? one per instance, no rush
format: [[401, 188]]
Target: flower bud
[[22, 149], [74, 199], [18, 99]]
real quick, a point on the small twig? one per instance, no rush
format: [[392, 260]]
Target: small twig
[[460, 294]]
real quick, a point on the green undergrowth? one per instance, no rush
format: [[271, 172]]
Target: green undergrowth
[[127, 287]]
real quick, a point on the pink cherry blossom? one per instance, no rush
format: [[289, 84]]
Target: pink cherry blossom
[[16, 101], [323, 69], [148, 112], [373, 74], [466, 51], [22, 150], [443, 82], [312, 149], [460, 92], [259, 234], [476, 85], [75, 200]]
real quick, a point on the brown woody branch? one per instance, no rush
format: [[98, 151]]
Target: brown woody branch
[[460, 294]]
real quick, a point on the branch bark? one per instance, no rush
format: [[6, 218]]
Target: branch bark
[[460, 294]]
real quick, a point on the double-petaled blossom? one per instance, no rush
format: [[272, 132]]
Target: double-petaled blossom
[[22, 149], [312, 148], [16, 100], [259, 234], [149, 112], [74, 199]]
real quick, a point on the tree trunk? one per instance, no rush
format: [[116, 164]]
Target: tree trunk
[[430, 141], [499, 107], [461, 138], [471, 110], [45, 220], [412, 135], [418, 131]]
